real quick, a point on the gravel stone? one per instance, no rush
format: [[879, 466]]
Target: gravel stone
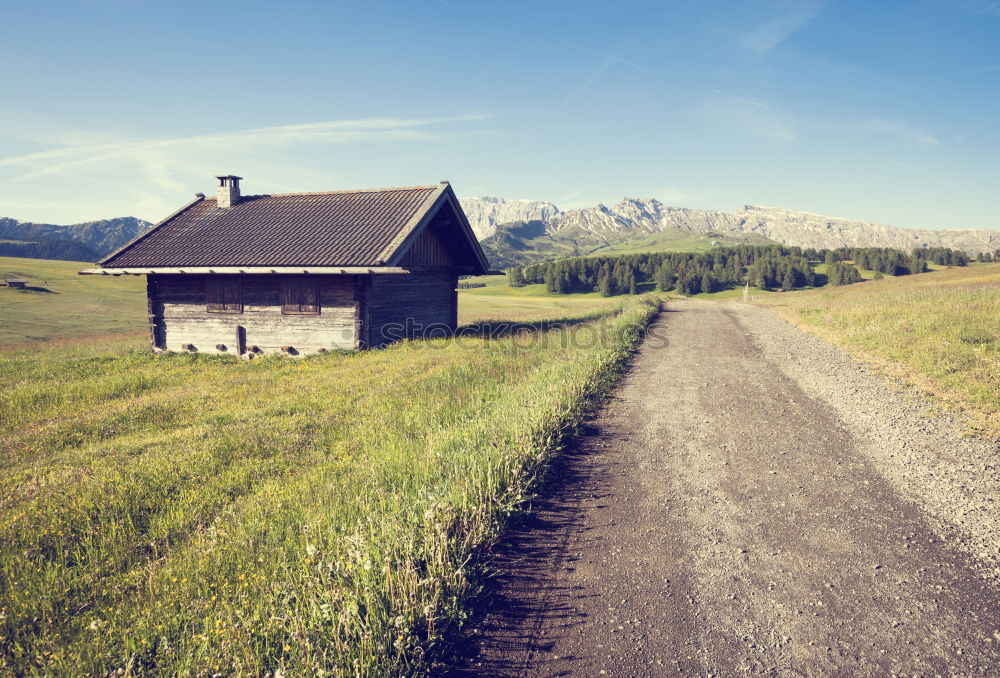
[[743, 495]]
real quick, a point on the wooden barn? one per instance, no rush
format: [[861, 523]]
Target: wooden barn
[[302, 272]]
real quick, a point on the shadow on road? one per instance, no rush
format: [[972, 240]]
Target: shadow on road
[[524, 595]]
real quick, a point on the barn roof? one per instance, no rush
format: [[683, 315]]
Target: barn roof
[[342, 228]]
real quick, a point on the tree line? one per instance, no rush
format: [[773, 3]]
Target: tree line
[[765, 266], [49, 248]]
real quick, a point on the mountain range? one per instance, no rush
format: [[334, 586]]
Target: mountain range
[[519, 231], [86, 241]]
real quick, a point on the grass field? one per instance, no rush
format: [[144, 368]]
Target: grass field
[[191, 514], [760, 295], [868, 274], [676, 240], [62, 304], [532, 302], [174, 514], [939, 331]]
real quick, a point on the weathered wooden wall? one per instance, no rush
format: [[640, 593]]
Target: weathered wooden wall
[[178, 316], [355, 312], [421, 304], [428, 249]]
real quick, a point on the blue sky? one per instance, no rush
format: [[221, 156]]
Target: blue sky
[[885, 111]]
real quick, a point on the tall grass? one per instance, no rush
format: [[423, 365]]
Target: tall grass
[[181, 514], [940, 330]]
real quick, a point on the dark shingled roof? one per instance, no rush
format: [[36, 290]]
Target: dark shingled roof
[[349, 228]]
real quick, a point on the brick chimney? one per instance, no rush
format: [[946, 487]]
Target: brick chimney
[[228, 193]]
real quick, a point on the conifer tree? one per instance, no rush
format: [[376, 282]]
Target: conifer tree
[[664, 279], [515, 278], [606, 284], [788, 280], [707, 282]]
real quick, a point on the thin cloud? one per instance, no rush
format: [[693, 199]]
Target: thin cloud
[[748, 117], [599, 72], [149, 175], [673, 195], [589, 82], [150, 151], [902, 130], [991, 7], [956, 74], [778, 30], [612, 58]]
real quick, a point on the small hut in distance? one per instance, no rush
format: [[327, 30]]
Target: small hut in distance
[[302, 272]]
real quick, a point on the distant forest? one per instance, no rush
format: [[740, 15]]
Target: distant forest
[[49, 248], [768, 267]]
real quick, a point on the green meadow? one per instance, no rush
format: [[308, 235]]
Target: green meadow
[[498, 301], [939, 331], [192, 515], [677, 240], [60, 304]]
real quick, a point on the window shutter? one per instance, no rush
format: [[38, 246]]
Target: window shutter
[[214, 298], [289, 300], [308, 301], [223, 294], [299, 296], [234, 295]]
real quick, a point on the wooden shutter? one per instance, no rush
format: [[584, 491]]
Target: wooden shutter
[[223, 294], [214, 300], [308, 296], [299, 296], [289, 301], [233, 294]]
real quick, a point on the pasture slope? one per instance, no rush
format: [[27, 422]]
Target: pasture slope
[[191, 515], [938, 332], [60, 304], [498, 301], [677, 240]]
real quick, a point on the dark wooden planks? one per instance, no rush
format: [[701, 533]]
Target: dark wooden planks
[[421, 304], [428, 250]]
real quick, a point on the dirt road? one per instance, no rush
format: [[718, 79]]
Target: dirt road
[[752, 502]]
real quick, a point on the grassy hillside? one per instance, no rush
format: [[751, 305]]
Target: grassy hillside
[[185, 514], [61, 304], [939, 331], [521, 244], [676, 240], [532, 302]]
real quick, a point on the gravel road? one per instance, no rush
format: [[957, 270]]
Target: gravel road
[[752, 502]]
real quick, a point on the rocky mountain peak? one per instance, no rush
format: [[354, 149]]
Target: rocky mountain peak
[[487, 212], [635, 218]]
